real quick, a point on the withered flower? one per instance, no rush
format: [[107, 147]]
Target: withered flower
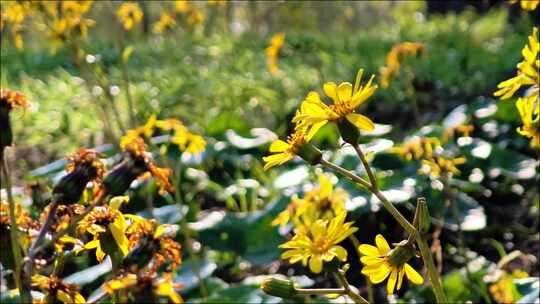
[[9, 100]]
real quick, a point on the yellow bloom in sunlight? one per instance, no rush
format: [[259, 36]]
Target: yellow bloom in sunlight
[[55, 287], [138, 284], [528, 70], [379, 263], [528, 108], [441, 166], [129, 13], [272, 52], [106, 223], [314, 113], [166, 22], [285, 151], [528, 5], [318, 244]]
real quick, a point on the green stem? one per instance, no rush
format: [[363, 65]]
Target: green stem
[[436, 283], [340, 275], [14, 229]]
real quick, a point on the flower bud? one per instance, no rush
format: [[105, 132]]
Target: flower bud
[[117, 182], [310, 153], [6, 135], [424, 220], [401, 254], [349, 132], [279, 288]]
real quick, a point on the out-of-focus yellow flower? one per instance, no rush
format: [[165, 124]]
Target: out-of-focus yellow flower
[[530, 117], [395, 58], [283, 152], [381, 262], [106, 223], [441, 166], [166, 22], [193, 15], [12, 99], [138, 284], [528, 5], [14, 15], [319, 243], [527, 73], [502, 291], [314, 113], [464, 130], [323, 202], [417, 147], [272, 52], [56, 289], [129, 13], [182, 6]]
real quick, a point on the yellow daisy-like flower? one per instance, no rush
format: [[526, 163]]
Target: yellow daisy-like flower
[[106, 224], [395, 58], [128, 14], [272, 52], [314, 113], [528, 108], [379, 264], [527, 70], [323, 202], [318, 244], [55, 287], [135, 284], [284, 151], [416, 148], [166, 22]]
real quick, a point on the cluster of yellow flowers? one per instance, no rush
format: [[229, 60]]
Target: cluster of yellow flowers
[[432, 154], [180, 135], [314, 114], [527, 75], [182, 9], [395, 57], [318, 219], [272, 52]]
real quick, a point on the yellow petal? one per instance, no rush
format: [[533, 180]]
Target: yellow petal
[[92, 244], [276, 160], [361, 121], [117, 201], [315, 264], [279, 146], [392, 281], [382, 244], [400, 277], [369, 250], [340, 252], [64, 297], [344, 91], [166, 289], [412, 275], [119, 236], [79, 299], [330, 89], [379, 276]]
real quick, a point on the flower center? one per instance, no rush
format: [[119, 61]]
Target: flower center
[[320, 245]]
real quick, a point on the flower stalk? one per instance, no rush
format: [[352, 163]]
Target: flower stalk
[[413, 231]]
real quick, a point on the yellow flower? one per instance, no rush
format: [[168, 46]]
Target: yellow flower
[[323, 202], [128, 14], [139, 284], [314, 113], [104, 222], [528, 5], [417, 147], [451, 132], [527, 70], [55, 287], [441, 166], [182, 6], [285, 151], [319, 243], [528, 108], [378, 265], [166, 21], [273, 50], [395, 57]]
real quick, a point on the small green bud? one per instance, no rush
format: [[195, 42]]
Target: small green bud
[[279, 288], [348, 131], [424, 220], [401, 254], [310, 153]]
